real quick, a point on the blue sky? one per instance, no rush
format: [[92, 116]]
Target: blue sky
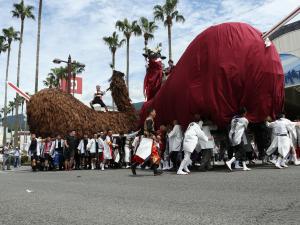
[[76, 27]]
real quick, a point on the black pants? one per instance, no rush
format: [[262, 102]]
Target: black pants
[[206, 159], [240, 152], [175, 159], [77, 161]]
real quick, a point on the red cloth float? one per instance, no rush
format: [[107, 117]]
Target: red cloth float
[[224, 68], [153, 78]]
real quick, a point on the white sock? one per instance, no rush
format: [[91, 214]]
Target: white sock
[[233, 159]]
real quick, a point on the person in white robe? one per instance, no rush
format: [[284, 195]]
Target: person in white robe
[[84, 151], [33, 149], [175, 144], [207, 147], [103, 150], [281, 139], [92, 147], [237, 135], [57, 150], [190, 141], [127, 149]]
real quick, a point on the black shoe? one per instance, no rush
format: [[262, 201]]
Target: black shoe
[[158, 173], [133, 169], [202, 170]]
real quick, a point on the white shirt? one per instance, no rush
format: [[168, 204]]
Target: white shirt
[[92, 145], [81, 146], [281, 126], [191, 137], [210, 144], [100, 145], [237, 131], [175, 138]]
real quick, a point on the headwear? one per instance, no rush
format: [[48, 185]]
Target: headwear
[[154, 53]]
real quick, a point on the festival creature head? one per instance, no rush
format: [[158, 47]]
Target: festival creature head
[[155, 53]]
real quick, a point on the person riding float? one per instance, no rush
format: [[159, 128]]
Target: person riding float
[[98, 98]]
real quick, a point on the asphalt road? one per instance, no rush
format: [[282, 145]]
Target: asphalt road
[[261, 196]]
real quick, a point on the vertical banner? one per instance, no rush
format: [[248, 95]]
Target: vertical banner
[[76, 87]]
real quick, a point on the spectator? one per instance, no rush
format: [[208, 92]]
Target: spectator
[[17, 157]]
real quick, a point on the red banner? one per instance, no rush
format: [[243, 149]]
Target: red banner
[[76, 87]]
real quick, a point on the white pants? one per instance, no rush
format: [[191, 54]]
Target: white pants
[[186, 160]]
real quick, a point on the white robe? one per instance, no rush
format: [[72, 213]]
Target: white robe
[[237, 130], [107, 154], [100, 145], [281, 140], [92, 145], [191, 137], [210, 144], [81, 146], [175, 138], [38, 147]]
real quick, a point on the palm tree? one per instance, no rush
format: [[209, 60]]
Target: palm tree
[[10, 35], [18, 102], [52, 80], [148, 28], [3, 44], [167, 13], [11, 109], [22, 12], [128, 29], [113, 43], [36, 86]]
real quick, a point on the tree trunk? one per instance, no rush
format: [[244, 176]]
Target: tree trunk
[[146, 45], [11, 131], [22, 110], [127, 65], [113, 60], [170, 41], [113, 67], [38, 48], [16, 137], [5, 99]]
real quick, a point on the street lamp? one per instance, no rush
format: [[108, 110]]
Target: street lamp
[[69, 63]]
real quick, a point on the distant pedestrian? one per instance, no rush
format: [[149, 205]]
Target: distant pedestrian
[[6, 159], [17, 157]]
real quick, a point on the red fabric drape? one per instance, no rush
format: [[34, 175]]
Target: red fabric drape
[[224, 68], [153, 78]]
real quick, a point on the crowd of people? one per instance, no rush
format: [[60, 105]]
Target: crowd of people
[[10, 156], [170, 148]]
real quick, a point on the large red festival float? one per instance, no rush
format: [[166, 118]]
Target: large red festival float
[[226, 67]]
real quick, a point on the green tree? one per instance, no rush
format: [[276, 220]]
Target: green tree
[[128, 30], [3, 45], [36, 86], [52, 80], [20, 11], [148, 28], [113, 43], [9, 35], [167, 13]]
